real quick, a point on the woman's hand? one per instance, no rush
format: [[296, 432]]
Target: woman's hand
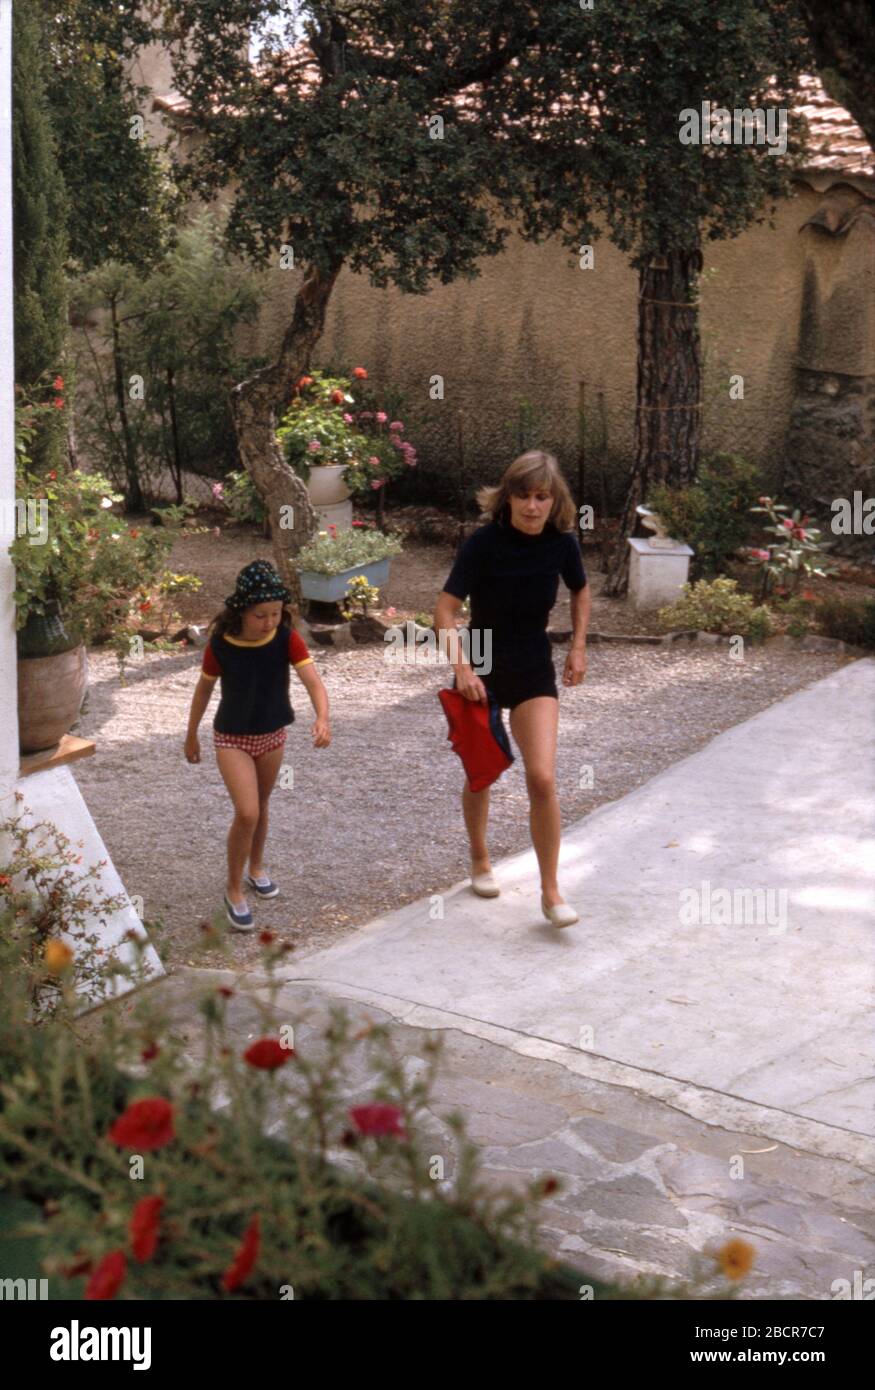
[[321, 733], [575, 666], [192, 748], [470, 686]]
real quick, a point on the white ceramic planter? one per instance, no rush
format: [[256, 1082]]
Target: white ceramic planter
[[326, 486], [331, 588]]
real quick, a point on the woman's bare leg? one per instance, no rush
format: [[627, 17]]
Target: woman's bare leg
[[266, 771], [238, 774], [475, 809], [534, 725]]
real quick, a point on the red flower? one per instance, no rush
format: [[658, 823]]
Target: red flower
[[358, 523], [150, 1052], [133, 534], [378, 1119], [337, 397], [225, 992], [52, 476], [146, 1124], [143, 1228], [809, 596], [244, 1259], [108, 1277], [267, 1054], [58, 403], [58, 383], [359, 372], [266, 937], [305, 381], [144, 607]]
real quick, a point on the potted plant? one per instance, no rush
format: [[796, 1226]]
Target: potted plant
[[339, 449], [81, 575], [333, 558]]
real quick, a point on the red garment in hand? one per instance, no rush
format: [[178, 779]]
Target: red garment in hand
[[478, 735]]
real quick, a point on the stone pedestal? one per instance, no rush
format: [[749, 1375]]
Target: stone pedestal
[[658, 570], [337, 514]]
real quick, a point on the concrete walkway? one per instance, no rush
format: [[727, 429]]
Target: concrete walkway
[[695, 1058]]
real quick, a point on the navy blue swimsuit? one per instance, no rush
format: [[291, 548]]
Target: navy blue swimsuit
[[512, 579]]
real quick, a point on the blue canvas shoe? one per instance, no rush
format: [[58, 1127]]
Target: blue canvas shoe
[[263, 887], [240, 919]]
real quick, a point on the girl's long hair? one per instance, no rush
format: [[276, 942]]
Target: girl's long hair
[[230, 621], [533, 469]]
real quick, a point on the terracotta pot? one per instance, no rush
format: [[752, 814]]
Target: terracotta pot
[[326, 486], [50, 694]]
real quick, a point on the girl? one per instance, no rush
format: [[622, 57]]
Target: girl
[[251, 649], [511, 569]]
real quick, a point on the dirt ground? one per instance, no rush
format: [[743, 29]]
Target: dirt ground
[[374, 820]]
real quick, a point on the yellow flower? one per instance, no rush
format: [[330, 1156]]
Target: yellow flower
[[736, 1258], [58, 957]]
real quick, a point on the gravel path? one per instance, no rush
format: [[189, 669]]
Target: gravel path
[[374, 821]]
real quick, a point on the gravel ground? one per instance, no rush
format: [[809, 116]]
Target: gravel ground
[[374, 821]]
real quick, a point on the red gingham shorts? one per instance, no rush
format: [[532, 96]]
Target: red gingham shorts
[[253, 744]]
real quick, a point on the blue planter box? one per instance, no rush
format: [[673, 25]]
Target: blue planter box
[[331, 588]]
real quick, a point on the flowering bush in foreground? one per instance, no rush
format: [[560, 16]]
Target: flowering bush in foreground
[[166, 1164]]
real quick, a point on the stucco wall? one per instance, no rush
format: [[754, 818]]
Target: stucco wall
[[533, 324]]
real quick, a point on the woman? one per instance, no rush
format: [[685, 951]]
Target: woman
[[510, 567]]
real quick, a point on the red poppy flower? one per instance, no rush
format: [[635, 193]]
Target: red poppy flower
[[378, 1119], [108, 1277], [144, 607], [267, 1054], [146, 1124], [143, 1228], [52, 476], [58, 403], [337, 397], [58, 383], [244, 1259], [359, 372], [305, 381]]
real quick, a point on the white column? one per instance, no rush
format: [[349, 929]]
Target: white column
[[8, 681]]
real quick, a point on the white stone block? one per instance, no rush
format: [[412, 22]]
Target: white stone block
[[657, 573]]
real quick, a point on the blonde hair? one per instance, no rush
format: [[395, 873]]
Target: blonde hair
[[533, 469]]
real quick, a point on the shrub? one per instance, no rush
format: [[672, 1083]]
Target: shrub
[[241, 497], [716, 606], [333, 551], [851, 620], [712, 514]]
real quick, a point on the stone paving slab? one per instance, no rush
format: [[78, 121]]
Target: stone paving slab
[[774, 1006], [645, 1188]]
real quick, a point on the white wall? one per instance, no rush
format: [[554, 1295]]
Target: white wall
[[8, 686]]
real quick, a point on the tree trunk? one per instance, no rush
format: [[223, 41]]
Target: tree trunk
[[668, 412], [133, 491], [255, 406], [176, 470]]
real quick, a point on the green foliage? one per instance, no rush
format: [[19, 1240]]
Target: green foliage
[[123, 200], [39, 212], [796, 551], [333, 551], [241, 497], [174, 328], [850, 620], [712, 515], [716, 606]]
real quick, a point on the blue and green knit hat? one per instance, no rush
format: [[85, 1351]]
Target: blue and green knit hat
[[258, 582]]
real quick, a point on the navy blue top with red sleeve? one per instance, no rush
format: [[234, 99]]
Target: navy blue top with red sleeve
[[512, 579], [255, 680]]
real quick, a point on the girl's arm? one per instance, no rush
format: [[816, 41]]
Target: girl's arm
[[199, 701], [312, 682]]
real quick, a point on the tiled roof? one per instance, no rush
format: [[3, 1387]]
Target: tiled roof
[[837, 144]]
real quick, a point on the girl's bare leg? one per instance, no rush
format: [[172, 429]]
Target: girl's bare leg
[[534, 725], [266, 771], [475, 809], [238, 774]]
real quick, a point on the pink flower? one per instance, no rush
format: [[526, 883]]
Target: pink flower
[[377, 482], [391, 612], [396, 425], [374, 461], [381, 417], [217, 490], [758, 554], [332, 529], [347, 418], [314, 446], [788, 522]]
